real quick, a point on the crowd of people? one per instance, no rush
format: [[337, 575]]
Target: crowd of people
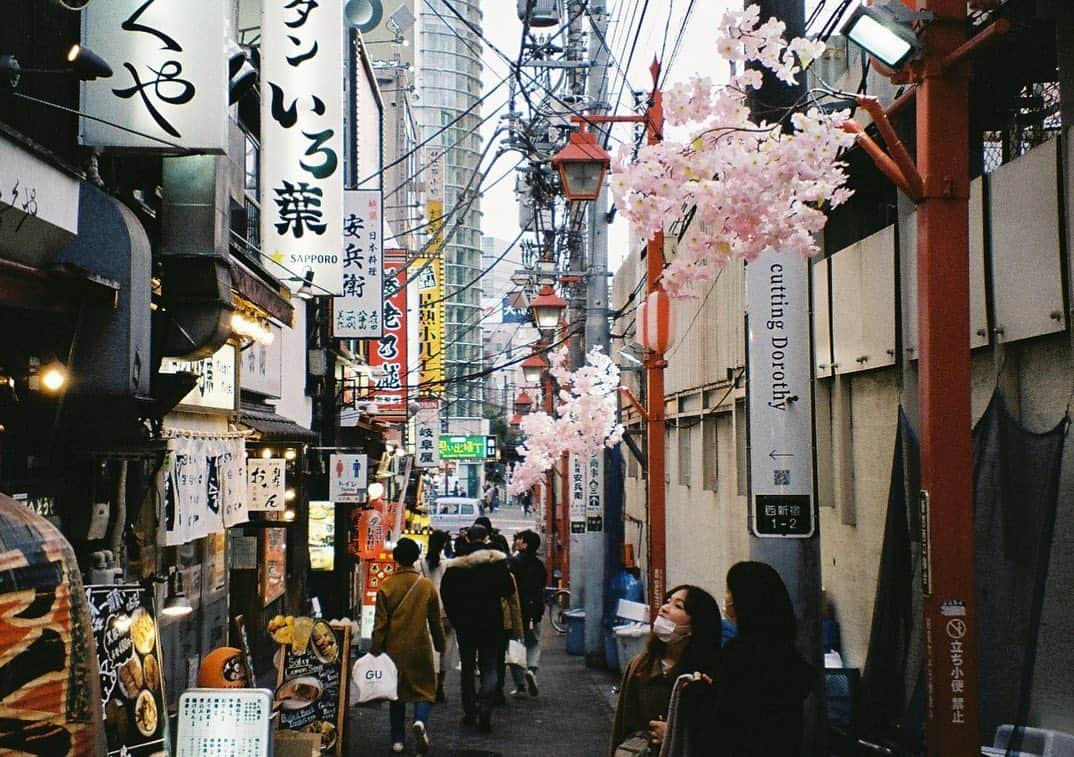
[[730, 684], [474, 596]]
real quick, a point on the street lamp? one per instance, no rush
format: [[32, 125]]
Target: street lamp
[[582, 165], [882, 33], [570, 165], [547, 307], [532, 367], [524, 402]]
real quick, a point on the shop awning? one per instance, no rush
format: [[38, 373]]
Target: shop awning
[[274, 427]]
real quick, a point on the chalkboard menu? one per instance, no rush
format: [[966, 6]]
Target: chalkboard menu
[[312, 683], [128, 657]]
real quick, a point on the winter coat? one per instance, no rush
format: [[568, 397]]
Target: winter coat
[[531, 576], [760, 687], [403, 629], [512, 613], [471, 590], [643, 696]]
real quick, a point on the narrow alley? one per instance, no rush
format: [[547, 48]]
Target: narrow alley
[[571, 716]]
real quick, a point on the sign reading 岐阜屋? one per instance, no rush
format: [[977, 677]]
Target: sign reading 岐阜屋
[[780, 397], [302, 141], [463, 447]]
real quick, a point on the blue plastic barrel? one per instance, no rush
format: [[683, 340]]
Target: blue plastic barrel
[[575, 631]]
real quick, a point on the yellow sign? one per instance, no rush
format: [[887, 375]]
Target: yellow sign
[[430, 269]]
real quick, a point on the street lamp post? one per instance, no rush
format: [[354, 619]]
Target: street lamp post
[[939, 185], [581, 163]]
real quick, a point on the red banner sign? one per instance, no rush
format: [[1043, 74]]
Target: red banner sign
[[388, 356]]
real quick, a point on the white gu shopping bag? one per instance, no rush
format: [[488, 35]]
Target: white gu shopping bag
[[374, 677]]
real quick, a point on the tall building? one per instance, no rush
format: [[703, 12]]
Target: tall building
[[449, 84]]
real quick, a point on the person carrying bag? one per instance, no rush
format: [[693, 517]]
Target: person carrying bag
[[407, 628]]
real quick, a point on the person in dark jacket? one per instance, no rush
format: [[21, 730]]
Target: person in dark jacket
[[531, 577], [472, 589], [761, 681], [685, 640]]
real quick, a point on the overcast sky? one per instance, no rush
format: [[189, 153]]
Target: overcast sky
[[697, 56]]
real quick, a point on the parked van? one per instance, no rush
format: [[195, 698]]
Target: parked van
[[452, 513]]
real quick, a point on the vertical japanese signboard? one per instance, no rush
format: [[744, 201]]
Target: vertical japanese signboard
[[427, 433], [170, 81], [302, 141], [577, 496], [358, 313], [388, 355], [430, 276], [780, 399], [265, 484], [594, 492]]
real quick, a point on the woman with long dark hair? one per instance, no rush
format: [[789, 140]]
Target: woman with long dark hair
[[433, 567], [685, 638], [762, 679]]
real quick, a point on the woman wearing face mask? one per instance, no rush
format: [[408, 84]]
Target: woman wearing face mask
[[762, 678], [685, 639]]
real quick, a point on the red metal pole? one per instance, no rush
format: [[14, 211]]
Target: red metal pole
[[943, 317], [565, 519], [549, 484], [654, 371]]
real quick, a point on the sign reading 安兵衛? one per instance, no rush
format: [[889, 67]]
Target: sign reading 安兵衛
[[302, 141], [358, 313], [779, 397], [170, 81]]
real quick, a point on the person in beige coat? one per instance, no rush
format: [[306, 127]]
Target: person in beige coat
[[407, 628]]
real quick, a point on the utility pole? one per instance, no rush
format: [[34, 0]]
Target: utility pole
[[795, 555], [597, 541]]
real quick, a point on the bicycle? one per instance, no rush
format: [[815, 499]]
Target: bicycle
[[557, 600]]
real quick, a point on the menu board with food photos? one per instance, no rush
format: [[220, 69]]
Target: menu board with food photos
[[128, 658], [312, 672]]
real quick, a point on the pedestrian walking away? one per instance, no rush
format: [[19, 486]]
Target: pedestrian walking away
[[531, 577], [407, 627], [433, 567], [685, 638], [472, 589]]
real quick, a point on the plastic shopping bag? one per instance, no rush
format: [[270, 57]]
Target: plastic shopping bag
[[374, 677], [516, 653]]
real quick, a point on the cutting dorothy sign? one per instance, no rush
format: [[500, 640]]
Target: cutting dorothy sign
[[779, 397]]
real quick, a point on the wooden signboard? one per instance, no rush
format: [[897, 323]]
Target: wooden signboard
[[312, 684], [128, 657]]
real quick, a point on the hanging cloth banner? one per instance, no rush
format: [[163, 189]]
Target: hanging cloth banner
[[201, 488]]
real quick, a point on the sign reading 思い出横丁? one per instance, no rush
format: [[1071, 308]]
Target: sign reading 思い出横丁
[[471, 447], [169, 86], [302, 141], [779, 397], [358, 313]]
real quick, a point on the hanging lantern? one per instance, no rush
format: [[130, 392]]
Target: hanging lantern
[[369, 534], [654, 322]]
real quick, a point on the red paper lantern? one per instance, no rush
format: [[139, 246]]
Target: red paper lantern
[[369, 534], [653, 330]]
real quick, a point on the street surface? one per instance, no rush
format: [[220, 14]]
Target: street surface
[[571, 717]]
